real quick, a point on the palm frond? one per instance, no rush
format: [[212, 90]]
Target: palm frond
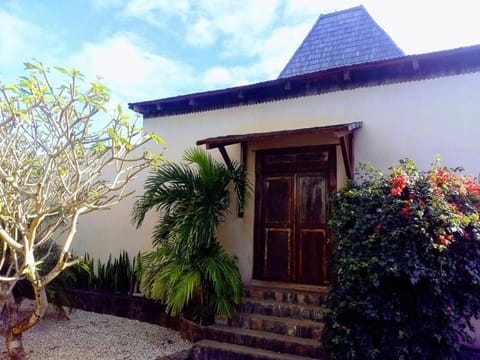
[[190, 268], [169, 185], [183, 291], [222, 271], [241, 185], [165, 229], [149, 265]]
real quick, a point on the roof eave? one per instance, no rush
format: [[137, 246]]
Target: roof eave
[[406, 68]]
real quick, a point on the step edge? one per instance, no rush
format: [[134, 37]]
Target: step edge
[[304, 288], [269, 335], [304, 322], [248, 350], [270, 301]]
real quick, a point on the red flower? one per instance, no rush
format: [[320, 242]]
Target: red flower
[[399, 182], [396, 191], [405, 212], [445, 240], [472, 186]]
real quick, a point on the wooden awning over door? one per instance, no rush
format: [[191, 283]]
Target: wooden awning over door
[[343, 132]]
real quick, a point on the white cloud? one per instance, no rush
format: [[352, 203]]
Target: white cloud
[[275, 50], [202, 33], [131, 72], [247, 29], [157, 12], [222, 77], [418, 27], [201, 23], [103, 4], [217, 76], [306, 8], [244, 24], [21, 41]]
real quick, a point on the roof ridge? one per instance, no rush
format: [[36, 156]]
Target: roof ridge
[[354, 38], [338, 12]]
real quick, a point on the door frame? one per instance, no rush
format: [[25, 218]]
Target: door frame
[[329, 167]]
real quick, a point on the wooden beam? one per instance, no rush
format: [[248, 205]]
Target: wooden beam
[[243, 156], [243, 151], [235, 139], [225, 156], [346, 147]]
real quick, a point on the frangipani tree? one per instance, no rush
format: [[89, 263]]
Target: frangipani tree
[[54, 167]]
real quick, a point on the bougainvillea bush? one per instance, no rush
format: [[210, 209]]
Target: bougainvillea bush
[[408, 265]]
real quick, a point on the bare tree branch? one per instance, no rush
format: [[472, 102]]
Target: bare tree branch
[[54, 167]]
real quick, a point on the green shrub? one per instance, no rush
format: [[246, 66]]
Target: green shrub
[[189, 271], [408, 265], [114, 276], [197, 289]]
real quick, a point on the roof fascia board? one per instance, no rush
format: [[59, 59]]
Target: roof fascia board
[[407, 68]]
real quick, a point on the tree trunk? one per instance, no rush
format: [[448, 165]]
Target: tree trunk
[[13, 342], [15, 347], [15, 328]]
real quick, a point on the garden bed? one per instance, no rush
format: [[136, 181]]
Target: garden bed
[[89, 335], [137, 308]]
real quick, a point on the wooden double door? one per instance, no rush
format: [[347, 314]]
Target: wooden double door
[[293, 188]]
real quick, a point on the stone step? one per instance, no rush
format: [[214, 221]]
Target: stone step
[[313, 296], [265, 340], [274, 324], [214, 350], [281, 309]]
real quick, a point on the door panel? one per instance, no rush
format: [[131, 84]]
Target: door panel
[[311, 256], [278, 200], [312, 204], [311, 219], [278, 227], [292, 192], [277, 254]]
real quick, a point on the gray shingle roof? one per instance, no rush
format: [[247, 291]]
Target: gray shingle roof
[[341, 38]]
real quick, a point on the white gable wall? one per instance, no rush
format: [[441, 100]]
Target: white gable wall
[[413, 119]]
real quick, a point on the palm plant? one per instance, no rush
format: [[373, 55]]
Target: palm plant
[[189, 270]]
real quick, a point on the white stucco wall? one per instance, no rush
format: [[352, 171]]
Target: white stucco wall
[[413, 119]]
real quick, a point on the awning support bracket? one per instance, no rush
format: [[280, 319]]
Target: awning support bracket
[[347, 152], [225, 157]]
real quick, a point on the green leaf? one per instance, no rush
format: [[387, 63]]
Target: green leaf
[[157, 139]]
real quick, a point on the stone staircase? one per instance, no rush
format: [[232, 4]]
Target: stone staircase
[[274, 321]]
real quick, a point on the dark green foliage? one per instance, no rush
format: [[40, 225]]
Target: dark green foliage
[[193, 200], [57, 290], [117, 276], [199, 289], [408, 265], [189, 270], [84, 275]]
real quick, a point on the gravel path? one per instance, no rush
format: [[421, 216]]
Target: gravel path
[[95, 336]]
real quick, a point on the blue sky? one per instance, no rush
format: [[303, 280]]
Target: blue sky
[[148, 49]]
